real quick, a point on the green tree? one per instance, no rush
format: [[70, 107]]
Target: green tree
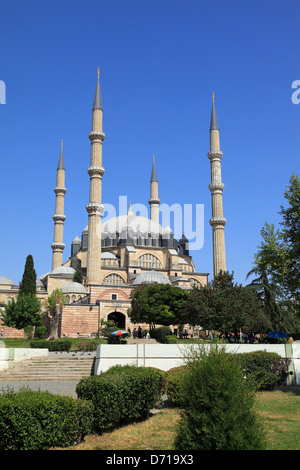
[[277, 262], [28, 284], [23, 313], [224, 306], [78, 276], [290, 236], [219, 412], [55, 301], [156, 304]]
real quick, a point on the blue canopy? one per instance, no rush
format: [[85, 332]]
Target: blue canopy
[[277, 334]]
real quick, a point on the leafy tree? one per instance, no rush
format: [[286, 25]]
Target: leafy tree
[[78, 276], [156, 304], [291, 237], [55, 301], [23, 313], [28, 285], [224, 306], [277, 262]]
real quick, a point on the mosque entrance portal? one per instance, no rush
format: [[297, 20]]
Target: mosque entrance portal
[[119, 319]]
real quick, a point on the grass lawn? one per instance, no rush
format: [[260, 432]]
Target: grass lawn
[[279, 410]]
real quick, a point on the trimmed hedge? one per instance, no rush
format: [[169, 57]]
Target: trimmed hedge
[[160, 333], [174, 385], [39, 420], [52, 345], [121, 395], [266, 370]]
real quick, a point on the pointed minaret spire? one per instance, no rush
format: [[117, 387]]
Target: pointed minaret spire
[[97, 99], [59, 216], [61, 163], [216, 187], [95, 207], [153, 174], [213, 119], [154, 200]]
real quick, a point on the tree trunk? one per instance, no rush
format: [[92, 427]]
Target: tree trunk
[[54, 322]]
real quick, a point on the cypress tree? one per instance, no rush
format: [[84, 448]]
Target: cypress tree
[[28, 285]]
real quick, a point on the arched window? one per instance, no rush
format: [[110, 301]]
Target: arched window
[[195, 282], [9, 300], [113, 279], [149, 261]]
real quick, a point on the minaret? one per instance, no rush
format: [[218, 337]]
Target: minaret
[[216, 187], [95, 207], [154, 200], [59, 217]]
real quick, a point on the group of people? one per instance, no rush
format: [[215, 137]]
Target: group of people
[[245, 338], [138, 333]]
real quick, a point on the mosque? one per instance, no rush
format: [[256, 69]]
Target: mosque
[[121, 253]]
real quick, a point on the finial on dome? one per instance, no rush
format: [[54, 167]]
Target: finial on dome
[[213, 97], [98, 72], [130, 211]]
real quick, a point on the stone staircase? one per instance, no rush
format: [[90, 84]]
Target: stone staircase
[[51, 368]]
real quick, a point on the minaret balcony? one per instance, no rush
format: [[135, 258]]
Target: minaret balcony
[[59, 217], [60, 190], [215, 155], [96, 171], [95, 208], [57, 246], [217, 221], [154, 200], [216, 187], [96, 136]]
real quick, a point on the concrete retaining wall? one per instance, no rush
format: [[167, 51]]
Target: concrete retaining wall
[[9, 355], [167, 356]]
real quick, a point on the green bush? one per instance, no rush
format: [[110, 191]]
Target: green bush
[[160, 333], [41, 332], [52, 345], [174, 385], [266, 370], [218, 406], [121, 395], [39, 420], [170, 339], [87, 345]]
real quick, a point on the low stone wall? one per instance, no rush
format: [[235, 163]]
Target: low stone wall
[[9, 355], [167, 356]]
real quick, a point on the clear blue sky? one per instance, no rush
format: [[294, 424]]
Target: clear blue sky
[[159, 62]]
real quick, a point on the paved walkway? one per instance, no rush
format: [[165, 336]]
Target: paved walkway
[[59, 387]]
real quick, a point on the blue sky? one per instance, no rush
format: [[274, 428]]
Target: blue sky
[[160, 61]]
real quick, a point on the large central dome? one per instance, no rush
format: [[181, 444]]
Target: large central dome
[[134, 223]]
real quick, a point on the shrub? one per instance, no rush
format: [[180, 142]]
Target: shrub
[[265, 369], [174, 385], [53, 345], [170, 339], [87, 345], [41, 332], [218, 406], [39, 420], [121, 395], [160, 333]]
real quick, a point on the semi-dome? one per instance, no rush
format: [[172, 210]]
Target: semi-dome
[[73, 288], [5, 281], [151, 277], [63, 270]]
